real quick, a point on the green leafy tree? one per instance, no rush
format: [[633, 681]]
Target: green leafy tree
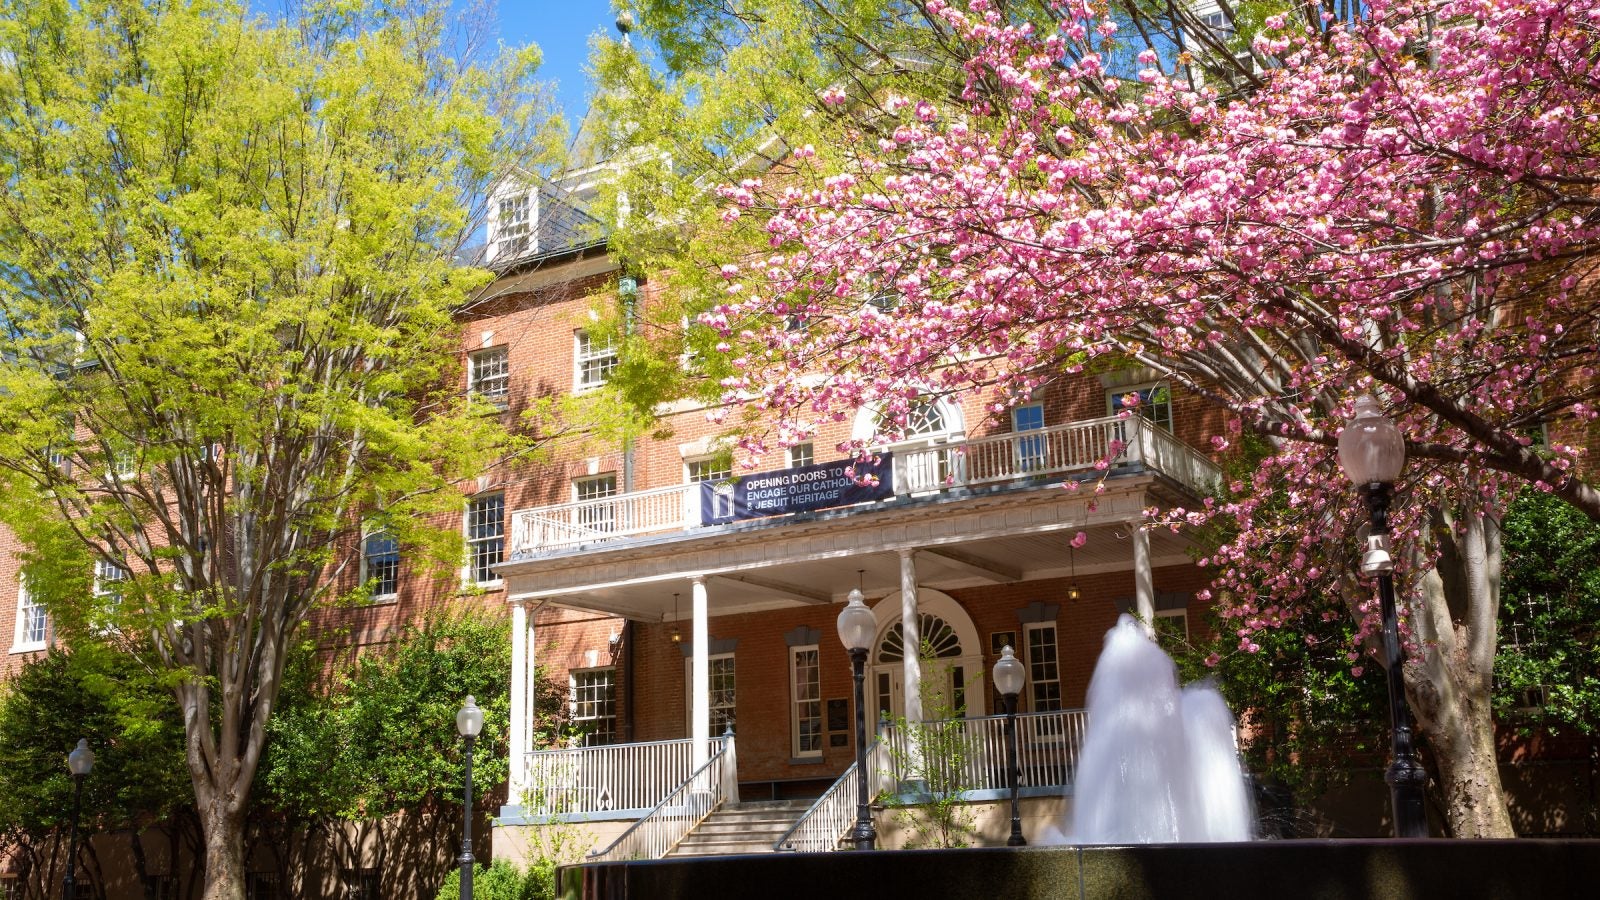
[[226, 286], [1547, 673], [366, 750], [139, 776]]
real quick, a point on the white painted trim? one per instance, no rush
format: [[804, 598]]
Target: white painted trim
[[17, 644]]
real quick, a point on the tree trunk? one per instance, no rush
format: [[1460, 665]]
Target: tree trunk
[[224, 851], [1450, 676], [1460, 734]]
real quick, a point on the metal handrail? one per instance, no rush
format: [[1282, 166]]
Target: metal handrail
[[826, 820], [671, 820]]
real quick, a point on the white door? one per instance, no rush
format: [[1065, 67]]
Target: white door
[[886, 693]]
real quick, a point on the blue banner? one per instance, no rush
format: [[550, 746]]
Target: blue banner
[[801, 489]]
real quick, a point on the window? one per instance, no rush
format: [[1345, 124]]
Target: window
[[709, 469], [33, 623], [594, 705], [514, 221], [486, 536], [802, 455], [380, 564], [361, 884], [1155, 403], [489, 375], [723, 692], [597, 516], [1044, 672], [263, 886], [596, 360], [1030, 448], [107, 578], [1172, 628], [805, 683]]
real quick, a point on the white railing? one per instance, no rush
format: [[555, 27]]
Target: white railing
[[1047, 756], [825, 822], [652, 837], [1102, 443], [1161, 452], [606, 778], [1047, 751], [607, 518]]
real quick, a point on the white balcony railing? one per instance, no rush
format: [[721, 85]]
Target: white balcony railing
[[918, 470], [614, 778], [671, 820]]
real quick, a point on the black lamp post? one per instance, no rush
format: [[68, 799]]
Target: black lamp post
[[856, 629], [1008, 679], [1372, 453], [79, 762], [469, 721]]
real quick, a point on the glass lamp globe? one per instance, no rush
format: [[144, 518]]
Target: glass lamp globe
[[469, 721], [1009, 675], [856, 623], [81, 759], [1371, 448]]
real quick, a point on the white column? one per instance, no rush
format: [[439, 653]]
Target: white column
[[1144, 592], [700, 678], [521, 717], [912, 664]]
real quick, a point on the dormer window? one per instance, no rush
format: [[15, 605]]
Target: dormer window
[[513, 226]]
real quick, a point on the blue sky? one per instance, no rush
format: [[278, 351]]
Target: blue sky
[[562, 29]]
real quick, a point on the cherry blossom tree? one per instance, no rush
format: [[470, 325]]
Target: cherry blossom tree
[[1403, 207]]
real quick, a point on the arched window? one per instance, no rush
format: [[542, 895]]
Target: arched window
[[935, 634]]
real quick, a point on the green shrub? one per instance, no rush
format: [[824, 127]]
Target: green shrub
[[499, 880]]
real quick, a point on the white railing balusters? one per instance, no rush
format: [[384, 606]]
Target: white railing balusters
[[1047, 754], [604, 778], [919, 468], [671, 820]]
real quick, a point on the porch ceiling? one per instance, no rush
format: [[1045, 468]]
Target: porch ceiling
[[818, 562]]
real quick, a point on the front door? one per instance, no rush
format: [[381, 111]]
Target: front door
[[887, 693]]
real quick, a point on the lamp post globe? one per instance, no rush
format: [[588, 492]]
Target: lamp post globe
[[1009, 677], [1372, 452], [80, 762], [469, 722], [857, 628]]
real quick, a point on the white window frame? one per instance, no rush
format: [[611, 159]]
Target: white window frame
[[1030, 449], [706, 468], [610, 701], [1113, 395], [26, 611], [801, 455], [469, 573], [106, 576], [602, 517], [492, 386], [514, 237], [1182, 615], [592, 363], [731, 706], [1034, 681], [795, 702], [366, 576]]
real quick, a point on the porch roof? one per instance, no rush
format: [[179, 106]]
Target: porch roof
[[989, 520]]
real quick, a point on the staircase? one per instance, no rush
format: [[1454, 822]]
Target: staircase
[[741, 828]]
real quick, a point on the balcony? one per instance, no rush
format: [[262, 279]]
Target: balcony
[[1109, 446]]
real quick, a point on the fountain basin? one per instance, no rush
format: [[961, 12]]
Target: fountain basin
[[1264, 870]]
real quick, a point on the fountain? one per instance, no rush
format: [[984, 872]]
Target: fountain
[[1161, 810], [1158, 763]]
